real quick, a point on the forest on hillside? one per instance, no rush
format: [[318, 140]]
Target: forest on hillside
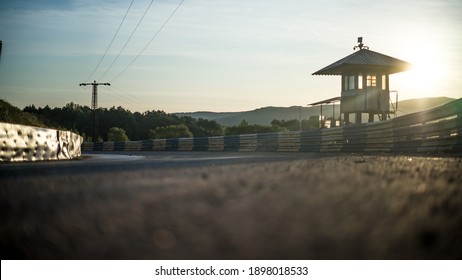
[[135, 126], [119, 124]]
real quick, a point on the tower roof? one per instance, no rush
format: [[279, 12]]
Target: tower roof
[[364, 60]]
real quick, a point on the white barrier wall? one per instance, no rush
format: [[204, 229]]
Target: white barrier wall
[[27, 143]]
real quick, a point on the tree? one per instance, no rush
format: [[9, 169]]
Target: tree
[[313, 122], [211, 128], [202, 127], [117, 134], [290, 125], [245, 128], [171, 131], [12, 114]]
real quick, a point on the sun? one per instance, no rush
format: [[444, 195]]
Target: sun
[[427, 70], [427, 75]]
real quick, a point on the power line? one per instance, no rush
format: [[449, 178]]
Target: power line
[[126, 43], [152, 39], [112, 41], [127, 98]]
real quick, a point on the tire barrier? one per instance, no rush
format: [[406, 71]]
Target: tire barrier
[[435, 130], [27, 143]]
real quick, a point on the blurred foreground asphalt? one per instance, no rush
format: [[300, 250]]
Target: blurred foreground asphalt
[[200, 205]]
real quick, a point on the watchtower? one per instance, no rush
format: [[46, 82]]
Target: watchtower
[[365, 82]]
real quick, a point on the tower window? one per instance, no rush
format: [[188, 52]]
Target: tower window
[[384, 82], [371, 80], [351, 82]]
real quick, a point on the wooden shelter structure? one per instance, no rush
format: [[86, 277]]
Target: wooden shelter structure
[[365, 82], [322, 102]]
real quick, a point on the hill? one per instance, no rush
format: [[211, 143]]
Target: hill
[[261, 116], [264, 116], [12, 114], [415, 105]]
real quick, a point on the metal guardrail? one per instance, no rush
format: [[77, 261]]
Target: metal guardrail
[[435, 130], [27, 143]]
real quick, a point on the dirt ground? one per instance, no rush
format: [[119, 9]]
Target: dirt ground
[[328, 207]]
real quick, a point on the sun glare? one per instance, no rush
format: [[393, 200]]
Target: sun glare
[[427, 74]]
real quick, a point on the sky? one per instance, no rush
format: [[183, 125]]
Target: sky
[[218, 55]]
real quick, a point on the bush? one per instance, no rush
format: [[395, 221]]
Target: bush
[[171, 131], [117, 134]]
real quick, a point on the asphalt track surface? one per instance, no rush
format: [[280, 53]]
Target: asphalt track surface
[[204, 205]]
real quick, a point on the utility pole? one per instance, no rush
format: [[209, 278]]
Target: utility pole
[[94, 103]]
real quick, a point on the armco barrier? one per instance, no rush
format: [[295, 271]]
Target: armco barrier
[[27, 143], [216, 144], [267, 142], [200, 144], [231, 143], [435, 130]]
